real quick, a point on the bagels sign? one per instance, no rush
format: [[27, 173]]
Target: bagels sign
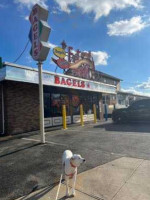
[[69, 82]]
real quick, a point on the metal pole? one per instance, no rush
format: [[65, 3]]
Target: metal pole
[[41, 103], [64, 116], [81, 115], [3, 118], [94, 111]]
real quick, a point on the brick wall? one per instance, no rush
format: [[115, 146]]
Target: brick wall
[[21, 107], [1, 109]]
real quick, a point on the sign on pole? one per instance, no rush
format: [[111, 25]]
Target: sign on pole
[[39, 33]]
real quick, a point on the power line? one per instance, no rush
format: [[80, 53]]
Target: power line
[[22, 52]]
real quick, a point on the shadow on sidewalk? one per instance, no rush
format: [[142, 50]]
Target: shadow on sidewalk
[[38, 195], [21, 149], [41, 194]]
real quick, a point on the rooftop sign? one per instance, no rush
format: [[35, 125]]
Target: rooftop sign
[[70, 59]]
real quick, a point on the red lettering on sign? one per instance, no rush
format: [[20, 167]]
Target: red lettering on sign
[[35, 27], [35, 45], [57, 81], [79, 83], [35, 52], [75, 83], [35, 36], [82, 84], [63, 82], [68, 81], [35, 19]]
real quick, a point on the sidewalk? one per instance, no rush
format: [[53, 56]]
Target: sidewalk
[[4, 138], [122, 179]]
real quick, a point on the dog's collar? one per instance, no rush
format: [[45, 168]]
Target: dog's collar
[[70, 175], [72, 165]]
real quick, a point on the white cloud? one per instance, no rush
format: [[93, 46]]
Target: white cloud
[[100, 57], [144, 85], [30, 3], [136, 92], [140, 89], [29, 59], [26, 18], [98, 7], [127, 27]]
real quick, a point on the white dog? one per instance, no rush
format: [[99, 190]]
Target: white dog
[[70, 164]]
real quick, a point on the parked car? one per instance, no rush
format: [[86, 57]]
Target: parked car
[[139, 111]]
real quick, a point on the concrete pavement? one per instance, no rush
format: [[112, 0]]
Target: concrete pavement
[[122, 179], [25, 164]]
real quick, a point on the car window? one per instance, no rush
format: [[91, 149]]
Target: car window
[[141, 104]]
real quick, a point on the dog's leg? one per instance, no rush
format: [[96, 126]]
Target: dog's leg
[[67, 186], [74, 183]]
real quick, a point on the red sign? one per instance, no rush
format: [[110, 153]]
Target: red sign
[[69, 82], [35, 31], [73, 59]]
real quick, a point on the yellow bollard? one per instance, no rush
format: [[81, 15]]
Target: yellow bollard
[[81, 115], [64, 116], [94, 110]]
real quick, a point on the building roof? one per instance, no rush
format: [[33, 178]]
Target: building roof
[[133, 94], [109, 76], [16, 72]]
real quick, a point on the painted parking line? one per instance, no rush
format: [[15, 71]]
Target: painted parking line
[[47, 142]]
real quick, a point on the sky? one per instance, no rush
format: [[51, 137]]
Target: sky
[[117, 32]]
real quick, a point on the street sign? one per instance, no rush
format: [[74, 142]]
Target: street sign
[[39, 33]]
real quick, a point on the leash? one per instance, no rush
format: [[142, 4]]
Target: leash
[[59, 187], [71, 175]]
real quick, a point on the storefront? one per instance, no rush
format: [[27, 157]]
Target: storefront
[[20, 97], [54, 98]]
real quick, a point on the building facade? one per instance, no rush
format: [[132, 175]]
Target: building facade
[[19, 98]]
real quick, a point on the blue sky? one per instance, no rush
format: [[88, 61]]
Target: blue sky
[[116, 31]]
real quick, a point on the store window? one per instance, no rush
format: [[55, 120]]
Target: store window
[[57, 100], [56, 105], [47, 105], [65, 100], [76, 104]]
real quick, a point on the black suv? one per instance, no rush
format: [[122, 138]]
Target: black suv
[[139, 111]]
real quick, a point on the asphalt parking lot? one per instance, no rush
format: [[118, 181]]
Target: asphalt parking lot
[[27, 165]]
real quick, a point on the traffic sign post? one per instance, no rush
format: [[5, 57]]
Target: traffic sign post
[[38, 36]]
